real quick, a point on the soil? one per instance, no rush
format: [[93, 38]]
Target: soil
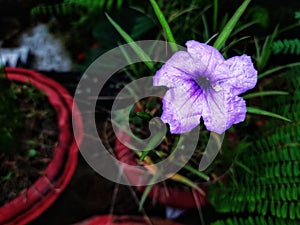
[[35, 139]]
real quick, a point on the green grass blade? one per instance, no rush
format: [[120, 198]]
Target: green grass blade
[[234, 42], [194, 171], [243, 27], [215, 16], [151, 145], [230, 25], [266, 113], [264, 93], [276, 69], [163, 22], [119, 4], [243, 166], [266, 51], [143, 56], [186, 181], [109, 4], [148, 189], [205, 30], [129, 61]]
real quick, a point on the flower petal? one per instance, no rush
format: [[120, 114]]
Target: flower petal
[[199, 60], [238, 73], [182, 107], [170, 76], [222, 109], [209, 56], [179, 69]]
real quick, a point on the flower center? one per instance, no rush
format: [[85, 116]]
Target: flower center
[[203, 82]]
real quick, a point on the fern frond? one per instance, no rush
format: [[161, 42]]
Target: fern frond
[[257, 220], [271, 193], [60, 9], [97, 4], [75, 6], [286, 46]]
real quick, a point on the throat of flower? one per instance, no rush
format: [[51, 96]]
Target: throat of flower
[[203, 82]]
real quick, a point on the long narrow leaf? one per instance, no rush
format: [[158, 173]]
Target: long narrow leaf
[[243, 166], [194, 171], [266, 113], [266, 50], [184, 180], [215, 15], [276, 69], [222, 38], [243, 27], [151, 145], [205, 30], [148, 189], [233, 43], [143, 56], [264, 93], [163, 22]]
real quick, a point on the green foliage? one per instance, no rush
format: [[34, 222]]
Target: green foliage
[[286, 46], [263, 51], [222, 38], [75, 6], [265, 113], [297, 16], [270, 194], [97, 4], [162, 20], [258, 220], [143, 56], [61, 9]]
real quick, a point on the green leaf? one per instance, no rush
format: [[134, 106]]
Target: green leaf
[[222, 38], [163, 22], [264, 93], [31, 153], [263, 54], [143, 56], [144, 115], [244, 167], [7, 177], [184, 180], [194, 171], [284, 210], [266, 113], [215, 15], [273, 208], [264, 208], [243, 27], [298, 210], [157, 138], [148, 189], [292, 211], [232, 44], [276, 69]]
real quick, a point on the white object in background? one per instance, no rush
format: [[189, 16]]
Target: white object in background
[[172, 213], [11, 56], [48, 52]]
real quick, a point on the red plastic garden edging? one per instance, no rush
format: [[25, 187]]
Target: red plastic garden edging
[[37, 198], [125, 220], [176, 198]]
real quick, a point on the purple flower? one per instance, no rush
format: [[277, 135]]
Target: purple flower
[[203, 84]]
